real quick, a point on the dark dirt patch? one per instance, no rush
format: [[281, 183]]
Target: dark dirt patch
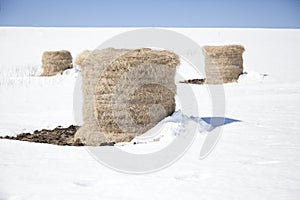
[[194, 81], [57, 136]]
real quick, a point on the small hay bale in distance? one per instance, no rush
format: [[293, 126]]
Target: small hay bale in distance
[[126, 92], [55, 62], [223, 64]]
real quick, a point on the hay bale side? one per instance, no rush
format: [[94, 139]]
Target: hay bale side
[[223, 64], [54, 62], [81, 57], [91, 70], [133, 93]]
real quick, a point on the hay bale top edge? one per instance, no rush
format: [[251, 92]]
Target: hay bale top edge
[[155, 56], [62, 55], [223, 50], [56, 52], [81, 57], [163, 57], [99, 56]]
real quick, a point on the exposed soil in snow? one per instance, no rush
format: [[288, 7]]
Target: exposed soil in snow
[[194, 81], [57, 136]]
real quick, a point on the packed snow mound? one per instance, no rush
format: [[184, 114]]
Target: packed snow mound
[[169, 128]]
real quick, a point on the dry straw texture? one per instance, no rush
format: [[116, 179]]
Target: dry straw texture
[[54, 62], [223, 64], [126, 92], [81, 57]]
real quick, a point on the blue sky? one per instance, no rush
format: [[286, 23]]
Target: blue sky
[[151, 13]]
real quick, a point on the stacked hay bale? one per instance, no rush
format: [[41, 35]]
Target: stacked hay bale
[[223, 64], [54, 62], [126, 92]]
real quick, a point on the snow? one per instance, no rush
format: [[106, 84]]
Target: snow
[[257, 156], [252, 77], [36, 103]]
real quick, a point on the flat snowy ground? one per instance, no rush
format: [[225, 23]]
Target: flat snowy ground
[[257, 158]]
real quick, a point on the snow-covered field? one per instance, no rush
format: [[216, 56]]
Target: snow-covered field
[[256, 158]]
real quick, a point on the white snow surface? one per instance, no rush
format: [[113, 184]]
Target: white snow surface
[[256, 158]]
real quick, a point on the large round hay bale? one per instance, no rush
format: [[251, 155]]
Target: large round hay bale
[[55, 62], [223, 64], [81, 57], [126, 92]]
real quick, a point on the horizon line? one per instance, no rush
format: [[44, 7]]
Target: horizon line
[[192, 27]]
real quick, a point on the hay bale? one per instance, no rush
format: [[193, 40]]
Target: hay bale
[[126, 92], [54, 62], [81, 57], [223, 64]]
